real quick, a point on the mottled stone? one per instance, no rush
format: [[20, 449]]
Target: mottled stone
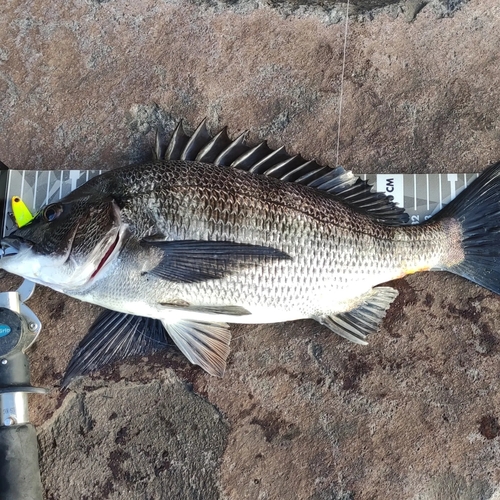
[[134, 441]]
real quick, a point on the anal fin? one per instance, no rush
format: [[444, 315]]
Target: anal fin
[[203, 343], [365, 318]]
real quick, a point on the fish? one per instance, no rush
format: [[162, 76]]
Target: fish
[[213, 232]]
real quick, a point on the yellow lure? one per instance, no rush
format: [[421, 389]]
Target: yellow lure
[[22, 215]]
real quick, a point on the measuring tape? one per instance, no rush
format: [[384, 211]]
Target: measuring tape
[[422, 195]]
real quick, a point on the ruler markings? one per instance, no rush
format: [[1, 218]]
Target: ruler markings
[[452, 179], [427, 191], [23, 183], [440, 194], [415, 192], [48, 190], [35, 189]]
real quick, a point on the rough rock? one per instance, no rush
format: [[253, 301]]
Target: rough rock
[[300, 413], [133, 441]]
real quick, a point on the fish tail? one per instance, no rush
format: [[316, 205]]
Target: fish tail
[[475, 214]]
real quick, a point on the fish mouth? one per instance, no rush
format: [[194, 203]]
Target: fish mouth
[[11, 245]]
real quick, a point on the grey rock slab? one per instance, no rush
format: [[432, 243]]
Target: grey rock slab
[[152, 441]]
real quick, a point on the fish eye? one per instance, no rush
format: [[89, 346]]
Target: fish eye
[[52, 212]]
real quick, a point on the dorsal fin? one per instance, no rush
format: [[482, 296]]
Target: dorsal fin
[[260, 159]]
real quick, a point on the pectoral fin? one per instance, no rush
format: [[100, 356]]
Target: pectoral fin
[[115, 336], [365, 318], [204, 344], [191, 261]]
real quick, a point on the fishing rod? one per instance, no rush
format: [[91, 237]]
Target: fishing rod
[[19, 460]]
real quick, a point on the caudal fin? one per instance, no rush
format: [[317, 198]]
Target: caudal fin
[[477, 210]]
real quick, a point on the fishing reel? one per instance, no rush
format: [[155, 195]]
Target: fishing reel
[[19, 467]]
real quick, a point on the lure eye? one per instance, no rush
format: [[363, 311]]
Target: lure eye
[[52, 212]]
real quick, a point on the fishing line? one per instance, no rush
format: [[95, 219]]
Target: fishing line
[[342, 82]]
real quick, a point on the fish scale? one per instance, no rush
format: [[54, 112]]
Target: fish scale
[[197, 245]]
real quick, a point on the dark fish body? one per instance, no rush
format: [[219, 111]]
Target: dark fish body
[[335, 253], [197, 245]]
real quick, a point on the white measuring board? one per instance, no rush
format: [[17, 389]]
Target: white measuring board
[[421, 195]]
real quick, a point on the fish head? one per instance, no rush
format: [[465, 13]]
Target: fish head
[[67, 244]]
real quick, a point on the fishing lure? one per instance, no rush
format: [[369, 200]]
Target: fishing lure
[[22, 215]]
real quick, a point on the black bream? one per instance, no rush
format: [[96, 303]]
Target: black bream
[[219, 233]]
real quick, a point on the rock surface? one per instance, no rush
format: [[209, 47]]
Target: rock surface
[[115, 452], [300, 413]]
